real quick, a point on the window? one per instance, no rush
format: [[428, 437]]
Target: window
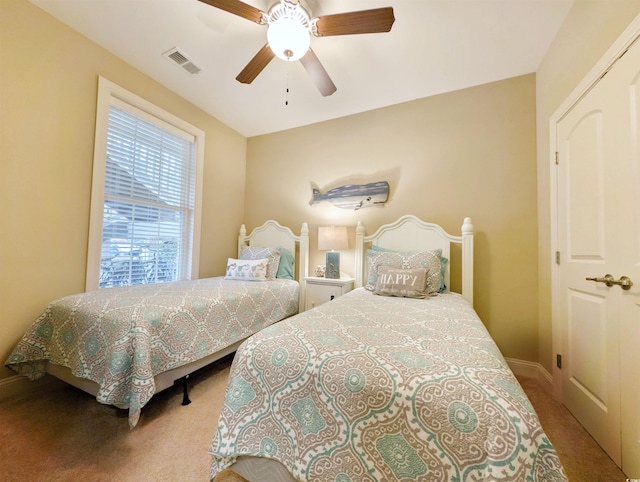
[[145, 196]]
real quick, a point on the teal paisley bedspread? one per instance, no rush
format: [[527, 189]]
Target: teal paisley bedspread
[[372, 388], [122, 337]]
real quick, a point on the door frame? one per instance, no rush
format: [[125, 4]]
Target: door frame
[[619, 47]]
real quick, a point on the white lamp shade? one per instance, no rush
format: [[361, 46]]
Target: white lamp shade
[[332, 238]]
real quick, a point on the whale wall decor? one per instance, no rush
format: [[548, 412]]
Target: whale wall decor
[[354, 196]]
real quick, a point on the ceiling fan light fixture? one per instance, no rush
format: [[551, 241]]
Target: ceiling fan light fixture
[[289, 29], [289, 34]]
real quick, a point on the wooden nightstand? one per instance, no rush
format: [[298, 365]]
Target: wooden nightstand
[[321, 290]]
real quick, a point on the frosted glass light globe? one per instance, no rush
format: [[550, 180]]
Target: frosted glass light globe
[[288, 39]]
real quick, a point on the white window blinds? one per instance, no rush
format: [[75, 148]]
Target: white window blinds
[[149, 199]]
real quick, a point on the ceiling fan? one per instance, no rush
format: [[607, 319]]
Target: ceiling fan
[[289, 34]]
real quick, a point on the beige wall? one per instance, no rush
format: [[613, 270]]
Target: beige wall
[[48, 87], [588, 31], [466, 153]]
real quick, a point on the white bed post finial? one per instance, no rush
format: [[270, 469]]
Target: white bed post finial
[[242, 238], [359, 254], [467, 260], [303, 268]]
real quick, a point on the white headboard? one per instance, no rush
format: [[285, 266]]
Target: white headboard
[[410, 233], [271, 233]]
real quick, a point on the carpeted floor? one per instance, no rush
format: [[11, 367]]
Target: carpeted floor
[[57, 433]]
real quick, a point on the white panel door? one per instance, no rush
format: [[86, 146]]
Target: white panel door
[[598, 235], [628, 245], [588, 310]]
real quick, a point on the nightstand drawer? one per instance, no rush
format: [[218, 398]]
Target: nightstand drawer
[[321, 290], [321, 294]]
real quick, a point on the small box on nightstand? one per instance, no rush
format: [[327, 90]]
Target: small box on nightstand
[[321, 290]]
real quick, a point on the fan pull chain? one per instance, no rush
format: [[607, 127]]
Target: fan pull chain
[[286, 100]]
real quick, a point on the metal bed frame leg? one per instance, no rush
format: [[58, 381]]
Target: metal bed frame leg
[[185, 391]]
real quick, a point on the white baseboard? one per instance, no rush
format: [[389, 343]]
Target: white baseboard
[[12, 386], [19, 385], [529, 369]]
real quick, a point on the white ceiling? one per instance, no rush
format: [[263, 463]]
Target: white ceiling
[[435, 46]]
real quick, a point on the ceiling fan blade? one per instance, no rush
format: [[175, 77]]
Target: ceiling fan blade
[[237, 7], [256, 65], [319, 76], [376, 20]]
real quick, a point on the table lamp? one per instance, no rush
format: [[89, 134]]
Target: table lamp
[[332, 239]]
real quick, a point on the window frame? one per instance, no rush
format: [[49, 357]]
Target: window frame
[[108, 94]]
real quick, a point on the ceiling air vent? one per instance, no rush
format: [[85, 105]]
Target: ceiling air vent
[[180, 59]]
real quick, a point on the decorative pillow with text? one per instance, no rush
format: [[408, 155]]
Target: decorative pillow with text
[[429, 260], [407, 283]]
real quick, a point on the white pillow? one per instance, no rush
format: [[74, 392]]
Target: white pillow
[[247, 269], [257, 252]]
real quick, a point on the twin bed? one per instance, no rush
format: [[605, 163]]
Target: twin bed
[[382, 383], [124, 344], [395, 380]]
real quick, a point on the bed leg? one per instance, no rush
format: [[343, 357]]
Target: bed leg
[[185, 391]]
